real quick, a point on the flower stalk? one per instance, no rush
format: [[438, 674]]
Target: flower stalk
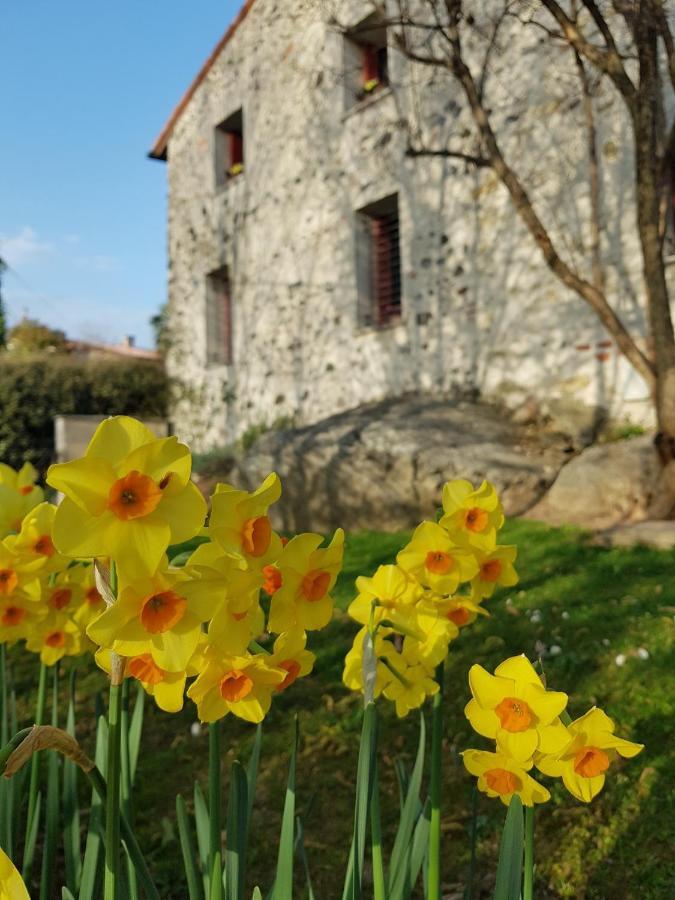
[[215, 812], [528, 869], [434, 888], [29, 845]]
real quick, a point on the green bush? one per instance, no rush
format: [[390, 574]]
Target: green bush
[[35, 389]]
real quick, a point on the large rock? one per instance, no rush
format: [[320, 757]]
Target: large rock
[[603, 486], [383, 466]]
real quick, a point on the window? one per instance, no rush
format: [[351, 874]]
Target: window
[[669, 237], [378, 263], [218, 318], [366, 59], [229, 147]]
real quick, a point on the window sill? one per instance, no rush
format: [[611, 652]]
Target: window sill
[[392, 325], [367, 101], [222, 186]]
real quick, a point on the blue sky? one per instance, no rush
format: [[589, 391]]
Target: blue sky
[[86, 89]]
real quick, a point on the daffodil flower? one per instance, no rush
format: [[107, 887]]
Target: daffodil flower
[[128, 498], [11, 883], [18, 495], [499, 775], [290, 654], [54, 637], [513, 707], [435, 560], [309, 573], [166, 688], [34, 540], [241, 685], [392, 590], [240, 523], [460, 611], [18, 618], [412, 680], [19, 575], [495, 569], [352, 675], [591, 749], [472, 517]]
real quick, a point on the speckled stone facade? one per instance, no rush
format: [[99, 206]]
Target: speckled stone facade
[[480, 310]]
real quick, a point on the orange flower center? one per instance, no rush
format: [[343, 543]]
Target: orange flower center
[[134, 496], [13, 615], [93, 596], [44, 546], [292, 667], [60, 598], [8, 580], [145, 669], [438, 562], [235, 686], [314, 585], [256, 536], [239, 616], [162, 612], [514, 714], [459, 616], [272, 579], [491, 570], [591, 761], [55, 639], [26, 489], [502, 781], [475, 519]]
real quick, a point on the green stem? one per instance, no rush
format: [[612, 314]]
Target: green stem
[[215, 812], [528, 872], [434, 882], [468, 894], [112, 812], [53, 806], [34, 776], [379, 891]]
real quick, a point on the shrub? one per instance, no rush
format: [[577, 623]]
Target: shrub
[[35, 389]]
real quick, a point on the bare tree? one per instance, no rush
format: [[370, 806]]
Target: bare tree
[[627, 44]]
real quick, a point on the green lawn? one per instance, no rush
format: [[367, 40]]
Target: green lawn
[[594, 604]]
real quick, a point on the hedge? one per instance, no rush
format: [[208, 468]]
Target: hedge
[[34, 390]]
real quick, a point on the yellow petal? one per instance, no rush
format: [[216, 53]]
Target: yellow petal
[[77, 534], [86, 482], [519, 668], [487, 689], [583, 789], [118, 436], [484, 721], [185, 512], [547, 705], [520, 745]]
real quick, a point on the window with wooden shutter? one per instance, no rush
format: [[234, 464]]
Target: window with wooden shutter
[[379, 262], [366, 58], [219, 318], [229, 148]]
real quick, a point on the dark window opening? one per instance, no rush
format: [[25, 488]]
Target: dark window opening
[[219, 318], [366, 58], [669, 238], [230, 148], [379, 262]]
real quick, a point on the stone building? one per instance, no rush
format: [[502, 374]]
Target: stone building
[[316, 265]]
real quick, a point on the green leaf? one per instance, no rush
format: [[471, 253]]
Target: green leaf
[[283, 881], [94, 843], [400, 854], [252, 770], [181, 558], [510, 867], [203, 827], [66, 895], [53, 805], [187, 846], [257, 894], [420, 844], [237, 814], [71, 809], [364, 787], [135, 731]]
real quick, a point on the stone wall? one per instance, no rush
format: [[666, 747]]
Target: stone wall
[[480, 309]]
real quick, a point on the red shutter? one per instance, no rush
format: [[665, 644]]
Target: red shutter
[[236, 148], [386, 268], [370, 66], [226, 320]]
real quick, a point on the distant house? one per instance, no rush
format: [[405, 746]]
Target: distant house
[[315, 265], [127, 349]]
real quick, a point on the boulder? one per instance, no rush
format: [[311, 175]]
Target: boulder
[[382, 466], [604, 486]]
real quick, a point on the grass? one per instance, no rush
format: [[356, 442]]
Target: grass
[[594, 604]]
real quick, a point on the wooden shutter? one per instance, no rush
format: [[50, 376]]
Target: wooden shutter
[[386, 267], [225, 330], [236, 142], [370, 64]]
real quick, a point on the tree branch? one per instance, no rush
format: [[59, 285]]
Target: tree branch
[[480, 162]]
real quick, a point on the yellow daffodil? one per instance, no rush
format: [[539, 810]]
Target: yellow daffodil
[[166, 688], [352, 675], [128, 498], [91, 603], [62, 592], [19, 575], [499, 775], [154, 615], [430, 634], [461, 611], [241, 685], [18, 495], [240, 523], [435, 560], [11, 883], [591, 749], [18, 618], [34, 540], [309, 573], [393, 591], [472, 517], [495, 570], [54, 637], [513, 707], [412, 683], [291, 655]]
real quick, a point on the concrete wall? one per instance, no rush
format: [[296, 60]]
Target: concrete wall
[[480, 309]]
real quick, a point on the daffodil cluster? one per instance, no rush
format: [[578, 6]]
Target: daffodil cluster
[[126, 503], [412, 610], [513, 708]]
